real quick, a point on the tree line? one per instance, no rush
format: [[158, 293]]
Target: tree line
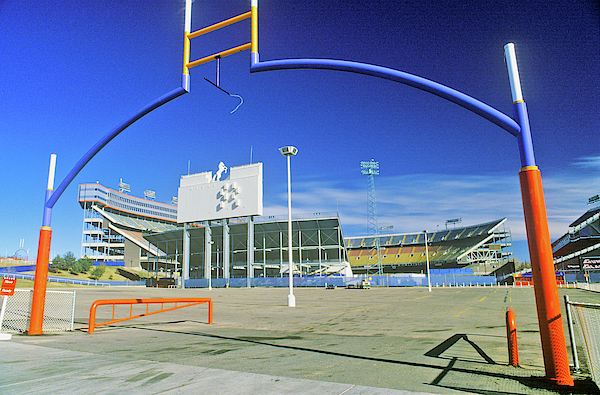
[[68, 262]]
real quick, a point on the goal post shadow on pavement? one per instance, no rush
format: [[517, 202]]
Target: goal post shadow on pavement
[[538, 237]]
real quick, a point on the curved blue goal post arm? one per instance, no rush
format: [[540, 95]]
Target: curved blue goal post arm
[[471, 104], [107, 138]]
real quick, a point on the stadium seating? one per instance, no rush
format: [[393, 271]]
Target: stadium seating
[[449, 248]]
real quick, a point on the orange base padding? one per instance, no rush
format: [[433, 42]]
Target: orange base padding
[[39, 286], [511, 336], [554, 348]]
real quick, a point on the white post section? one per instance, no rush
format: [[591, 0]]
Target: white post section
[[185, 77], [291, 298], [300, 251], [186, 255], [226, 248], [6, 336], [281, 253], [513, 72], [427, 258], [4, 299], [320, 265], [339, 233], [250, 251], [51, 172], [188, 16], [288, 152], [208, 254]]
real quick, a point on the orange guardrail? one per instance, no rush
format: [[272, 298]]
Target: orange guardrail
[[188, 302]]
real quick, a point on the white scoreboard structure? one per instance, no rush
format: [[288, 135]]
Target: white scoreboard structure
[[204, 197]]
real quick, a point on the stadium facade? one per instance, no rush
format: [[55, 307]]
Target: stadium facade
[[118, 227], [578, 250], [137, 232]]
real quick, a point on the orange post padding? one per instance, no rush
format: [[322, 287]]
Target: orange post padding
[[39, 285], [511, 336], [554, 348], [131, 302]]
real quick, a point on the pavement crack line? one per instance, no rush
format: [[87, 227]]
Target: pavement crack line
[[348, 389]]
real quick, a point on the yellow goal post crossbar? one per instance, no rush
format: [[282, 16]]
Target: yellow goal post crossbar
[[189, 35]]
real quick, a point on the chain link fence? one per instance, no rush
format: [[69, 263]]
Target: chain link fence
[[584, 320], [59, 311]]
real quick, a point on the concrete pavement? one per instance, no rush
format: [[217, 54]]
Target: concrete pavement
[[342, 341]]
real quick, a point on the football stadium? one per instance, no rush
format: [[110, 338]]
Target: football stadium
[[120, 229], [214, 232]]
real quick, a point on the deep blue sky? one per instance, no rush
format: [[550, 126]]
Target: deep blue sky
[[70, 73]]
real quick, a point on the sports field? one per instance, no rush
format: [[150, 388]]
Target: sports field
[[451, 340]]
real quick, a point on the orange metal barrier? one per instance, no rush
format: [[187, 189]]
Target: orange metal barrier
[[188, 302]]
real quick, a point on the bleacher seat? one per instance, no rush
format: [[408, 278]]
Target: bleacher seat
[[446, 247]]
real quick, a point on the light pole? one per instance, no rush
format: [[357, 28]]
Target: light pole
[[290, 151], [427, 258], [210, 268]]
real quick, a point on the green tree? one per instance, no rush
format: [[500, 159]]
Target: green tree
[[76, 268], [69, 259], [70, 263], [58, 263], [97, 272], [86, 263]]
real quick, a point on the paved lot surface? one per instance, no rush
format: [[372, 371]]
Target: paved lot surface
[[341, 341]]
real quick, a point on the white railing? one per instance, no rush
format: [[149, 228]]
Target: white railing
[[589, 286], [64, 280]]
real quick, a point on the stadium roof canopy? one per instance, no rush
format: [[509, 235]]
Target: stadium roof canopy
[[317, 244]]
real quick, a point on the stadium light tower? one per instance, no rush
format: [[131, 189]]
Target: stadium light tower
[[370, 169], [453, 221], [288, 152]]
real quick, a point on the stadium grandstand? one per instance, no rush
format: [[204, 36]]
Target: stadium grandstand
[[317, 239], [114, 225], [137, 232], [578, 250], [486, 246]]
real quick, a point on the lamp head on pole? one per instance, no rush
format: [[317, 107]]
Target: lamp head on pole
[[288, 150]]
